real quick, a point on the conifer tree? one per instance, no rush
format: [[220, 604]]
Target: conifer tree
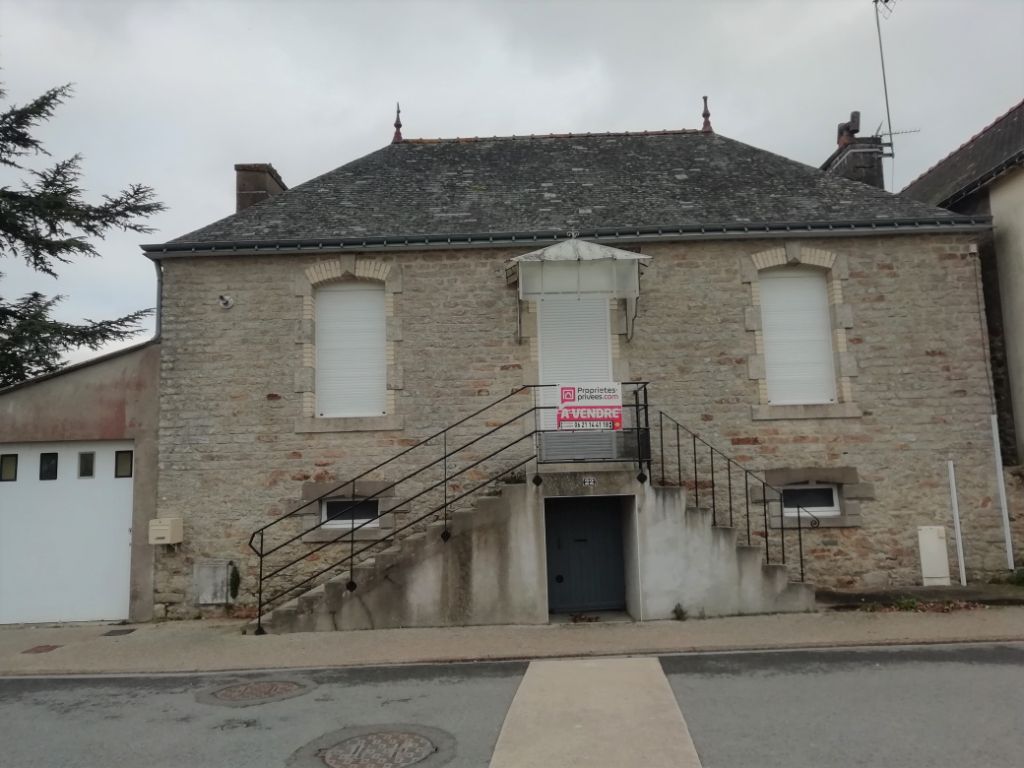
[[45, 221]]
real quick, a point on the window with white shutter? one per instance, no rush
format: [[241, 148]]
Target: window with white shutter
[[351, 361], [797, 330]]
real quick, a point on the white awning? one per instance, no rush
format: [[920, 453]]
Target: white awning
[[577, 266], [574, 249]]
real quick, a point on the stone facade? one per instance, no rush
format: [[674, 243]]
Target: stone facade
[[234, 389]]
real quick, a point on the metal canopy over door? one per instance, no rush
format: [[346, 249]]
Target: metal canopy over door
[[575, 347], [586, 567], [65, 543]]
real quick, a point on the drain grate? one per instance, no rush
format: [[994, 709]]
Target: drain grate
[[118, 632], [384, 749], [42, 648]]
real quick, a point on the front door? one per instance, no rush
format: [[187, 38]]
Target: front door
[[575, 347], [586, 569]]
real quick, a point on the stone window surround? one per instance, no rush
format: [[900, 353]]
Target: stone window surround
[[852, 491], [338, 269], [794, 253], [312, 515], [529, 318]]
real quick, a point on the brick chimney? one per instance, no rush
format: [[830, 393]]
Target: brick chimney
[[255, 182], [857, 157]]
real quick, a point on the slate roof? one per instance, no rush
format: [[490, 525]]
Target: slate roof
[[511, 188], [975, 164]]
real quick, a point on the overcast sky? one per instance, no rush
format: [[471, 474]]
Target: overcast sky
[[171, 93]]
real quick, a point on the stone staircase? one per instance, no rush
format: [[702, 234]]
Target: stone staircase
[[492, 569]]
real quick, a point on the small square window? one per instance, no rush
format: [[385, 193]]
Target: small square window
[[8, 467], [123, 463], [86, 464], [47, 466], [349, 513], [819, 499]]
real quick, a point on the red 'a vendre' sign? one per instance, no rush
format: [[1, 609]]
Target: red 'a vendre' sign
[[589, 406]]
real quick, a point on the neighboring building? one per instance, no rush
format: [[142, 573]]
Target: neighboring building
[[986, 176], [362, 374], [78, 489]]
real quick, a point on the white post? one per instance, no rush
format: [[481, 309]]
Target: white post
[[636, 534], [1001, 486], [956, 523]]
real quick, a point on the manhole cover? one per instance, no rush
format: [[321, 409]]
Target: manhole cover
[[251, 692], [385, 749], [257, 691], [384, 745]]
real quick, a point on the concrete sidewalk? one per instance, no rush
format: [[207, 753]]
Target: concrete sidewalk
[[590, 712], [198, 646]]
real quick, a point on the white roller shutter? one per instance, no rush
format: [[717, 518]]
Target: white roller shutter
[[575, 346], [351, 363], [797, 331]]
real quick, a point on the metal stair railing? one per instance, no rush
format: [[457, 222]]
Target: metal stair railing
[[270, 594], [701, 448], [258, 539]]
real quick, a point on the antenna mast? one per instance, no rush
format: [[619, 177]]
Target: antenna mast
[[887, 5]]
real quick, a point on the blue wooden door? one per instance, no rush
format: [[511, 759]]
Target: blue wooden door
[[586, 570]]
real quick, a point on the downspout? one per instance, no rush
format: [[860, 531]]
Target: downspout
[[159, 300], [997, 450]]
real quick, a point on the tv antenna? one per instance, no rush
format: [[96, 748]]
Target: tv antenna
[[878, 131], [885, 8]]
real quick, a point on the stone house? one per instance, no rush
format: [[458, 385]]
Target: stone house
[[366, 384]]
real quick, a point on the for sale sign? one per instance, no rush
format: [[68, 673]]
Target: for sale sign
[[589, 406]]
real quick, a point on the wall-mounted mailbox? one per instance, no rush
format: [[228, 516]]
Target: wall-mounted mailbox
[[165, 530]]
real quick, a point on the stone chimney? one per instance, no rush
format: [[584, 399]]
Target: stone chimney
[[255, 182], [857, 157]]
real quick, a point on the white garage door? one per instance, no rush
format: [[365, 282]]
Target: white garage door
[[65, 531]]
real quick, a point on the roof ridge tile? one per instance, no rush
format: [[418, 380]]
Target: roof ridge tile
[[569, 135]]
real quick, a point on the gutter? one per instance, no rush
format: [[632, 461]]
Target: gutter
[[733, 231]]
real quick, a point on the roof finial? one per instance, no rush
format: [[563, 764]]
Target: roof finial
[[706, 114], [397, 138]]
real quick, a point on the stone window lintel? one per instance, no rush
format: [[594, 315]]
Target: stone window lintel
[[766, 412], [311, 424]]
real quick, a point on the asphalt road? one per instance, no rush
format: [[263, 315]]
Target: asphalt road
[[160, 722], [884, 708], [924, 707]]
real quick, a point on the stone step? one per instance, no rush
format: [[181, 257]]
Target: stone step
[[761, 587]]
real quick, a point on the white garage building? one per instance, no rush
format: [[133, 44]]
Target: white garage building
[[77, 490]]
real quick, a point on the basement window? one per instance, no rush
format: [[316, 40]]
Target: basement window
[[819, 499], [47, 466], [349, 513], [8, 467]]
